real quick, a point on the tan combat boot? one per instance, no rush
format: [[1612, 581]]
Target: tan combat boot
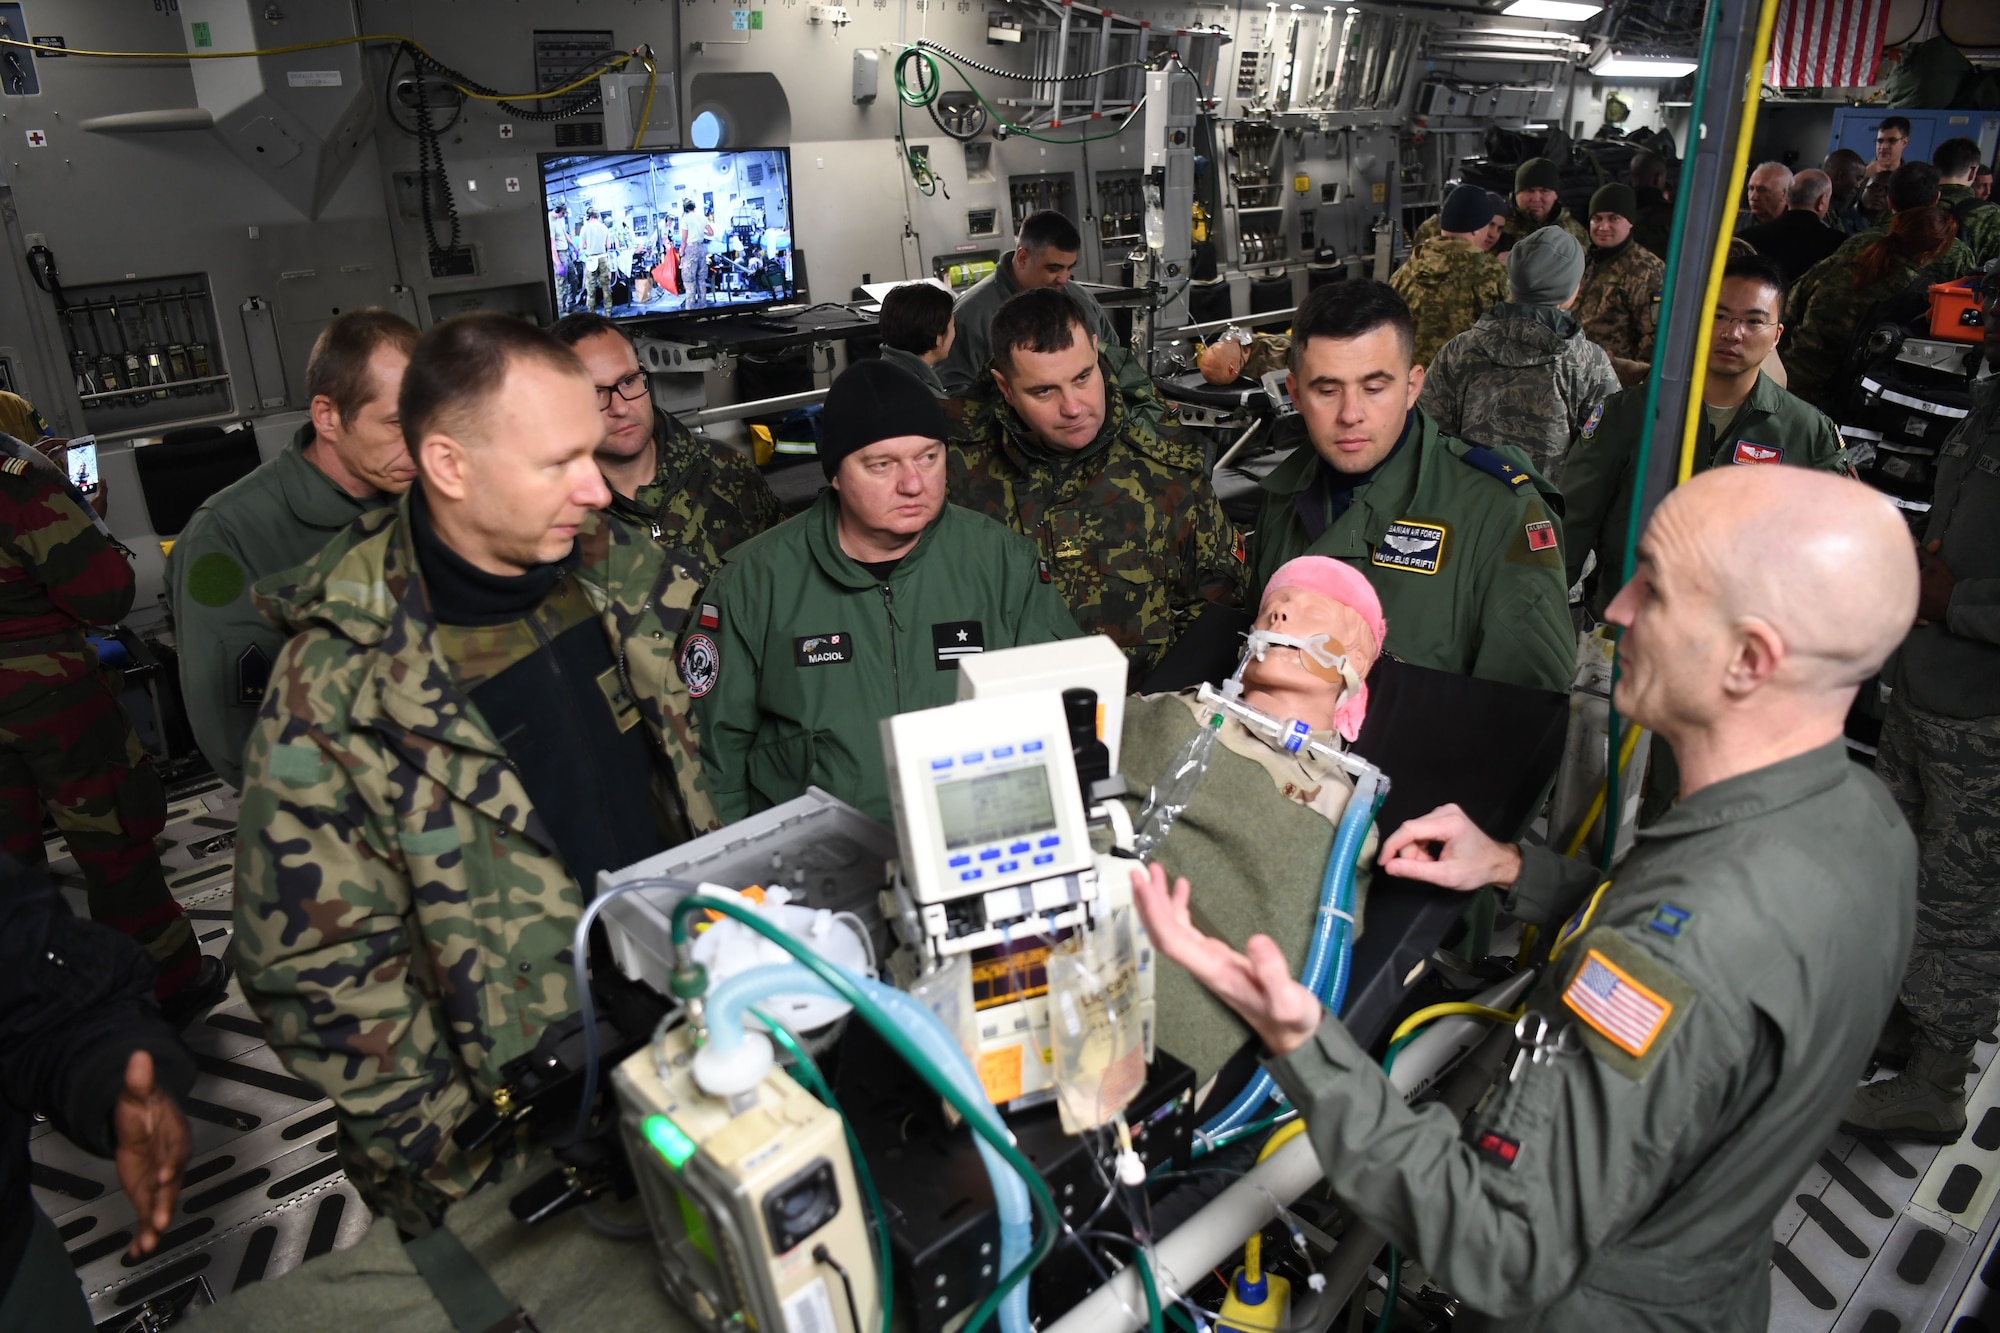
[[1924, 1104]]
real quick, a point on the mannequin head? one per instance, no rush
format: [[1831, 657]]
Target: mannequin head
[[1221, 362], [1308, 597]]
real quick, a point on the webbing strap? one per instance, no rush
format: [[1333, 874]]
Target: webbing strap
[[462, 1285]]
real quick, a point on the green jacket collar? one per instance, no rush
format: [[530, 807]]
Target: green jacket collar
[[1383, 500], [310, 494], [1767, 398], [822, 530], [1758, 792]]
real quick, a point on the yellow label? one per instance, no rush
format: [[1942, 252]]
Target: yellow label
[[1000, 1074], [1302, 183], [1379, 192]]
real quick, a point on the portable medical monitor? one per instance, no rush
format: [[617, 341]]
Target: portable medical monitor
[[985, 795], [639, 234]]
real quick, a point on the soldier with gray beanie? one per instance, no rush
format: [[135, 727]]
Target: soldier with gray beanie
[[1524, 376]]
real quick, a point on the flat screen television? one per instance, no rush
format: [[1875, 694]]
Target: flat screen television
[[636, 235]]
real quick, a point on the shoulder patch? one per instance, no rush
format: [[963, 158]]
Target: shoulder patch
[[215, 579], [16, 467], [1669, 920], [1590, 426], [700, 663], [1629, 1002], [1493, 465]]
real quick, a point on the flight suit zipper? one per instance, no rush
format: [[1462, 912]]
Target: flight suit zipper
[[895, 649]]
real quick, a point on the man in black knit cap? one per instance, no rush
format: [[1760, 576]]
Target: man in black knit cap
[[856, 610]]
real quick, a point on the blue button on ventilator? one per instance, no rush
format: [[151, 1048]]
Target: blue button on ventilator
[[1044, 858], [937, 764], [1030, 747], [1018, 848], [1051, 840], [970, 874], [973, 758], [958, 861], [990, 854], [1006, 867], [1003, 752]]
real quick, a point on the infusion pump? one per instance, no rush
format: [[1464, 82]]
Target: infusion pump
[[997, 863]]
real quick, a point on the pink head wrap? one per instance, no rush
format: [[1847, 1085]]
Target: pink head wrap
[[1342, 583]]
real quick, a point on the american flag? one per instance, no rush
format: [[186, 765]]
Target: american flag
[[1827, 43], [1617, 1006]]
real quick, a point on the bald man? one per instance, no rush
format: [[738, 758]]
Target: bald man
[[1770, 186], [1704, 1019]]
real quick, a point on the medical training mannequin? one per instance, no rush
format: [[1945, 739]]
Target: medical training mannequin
[[1262, 822], [1238, 354]]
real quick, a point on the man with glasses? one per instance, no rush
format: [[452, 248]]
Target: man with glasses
[[1746, 419], [684, 494], [1891, 137]]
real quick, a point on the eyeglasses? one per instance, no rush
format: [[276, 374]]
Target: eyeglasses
[[632, 388], [1892, 138], [1753, 327]]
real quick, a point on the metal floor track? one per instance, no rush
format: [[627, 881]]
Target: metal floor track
[[1886, 1237], [263, 1192]]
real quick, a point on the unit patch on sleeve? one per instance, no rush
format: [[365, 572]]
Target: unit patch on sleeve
[[1590, 426], [701, 664], [822, 649], [1747, 452], [1629, 1001], [1418, 547], [956, 639], [1541, 536]]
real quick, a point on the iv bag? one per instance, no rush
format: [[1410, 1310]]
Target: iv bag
[[1096, 1040]]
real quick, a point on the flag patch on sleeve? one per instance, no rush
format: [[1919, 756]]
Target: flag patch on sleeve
[[711, 618], [1627, 1014], [1541, 536]]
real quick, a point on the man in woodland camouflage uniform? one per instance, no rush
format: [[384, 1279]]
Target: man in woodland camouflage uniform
[[1452, 278], [449, 750], [1124, 520], [1619, 304]]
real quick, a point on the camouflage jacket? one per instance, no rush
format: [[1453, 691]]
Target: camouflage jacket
[[1520, 227], [1955, 262], [1515, 379], [1619, 306], [1979, 229], [1129, 527], [1448, 284], [403, 921], [58, 570], [1825, 324], [703, 499]]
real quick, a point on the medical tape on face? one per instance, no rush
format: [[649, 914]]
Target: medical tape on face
[[1313, 652]]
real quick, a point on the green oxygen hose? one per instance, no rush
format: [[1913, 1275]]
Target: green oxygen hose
[[806, 1071], [872, 1014]]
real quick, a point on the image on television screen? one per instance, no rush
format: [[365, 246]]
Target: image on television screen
[[640, 234]]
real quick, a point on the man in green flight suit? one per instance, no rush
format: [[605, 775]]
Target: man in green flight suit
[[1461, 544], [455, 741], [1125, 521], [1746, 419], [1044, 255], [856, 610], [350, 458], [1702, 1020]]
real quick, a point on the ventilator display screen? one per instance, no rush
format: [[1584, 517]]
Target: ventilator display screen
[[996, 806]]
